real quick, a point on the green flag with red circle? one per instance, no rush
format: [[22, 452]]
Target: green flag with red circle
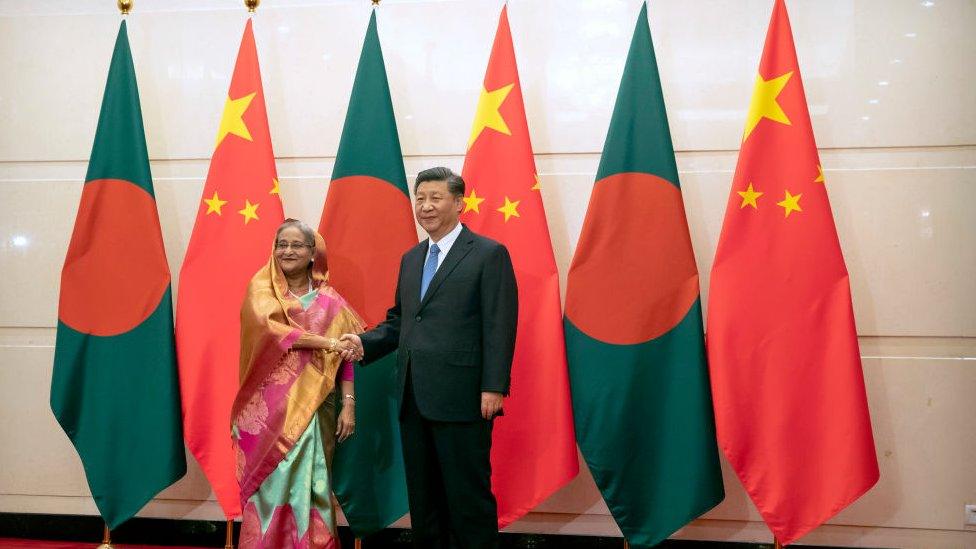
[[114, 388], [367, 223], [634, 339]]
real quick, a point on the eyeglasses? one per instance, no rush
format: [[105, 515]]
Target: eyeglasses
[[281, 245]]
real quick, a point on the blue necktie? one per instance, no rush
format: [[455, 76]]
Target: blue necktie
[[429, 269]]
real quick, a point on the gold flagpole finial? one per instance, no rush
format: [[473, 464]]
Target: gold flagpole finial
[[125, 6], [252, 5], [376, 3]]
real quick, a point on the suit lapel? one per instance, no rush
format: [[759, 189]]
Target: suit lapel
[[414, 267], [461, 247]]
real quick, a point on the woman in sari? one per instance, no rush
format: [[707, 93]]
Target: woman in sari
[[284, 419]]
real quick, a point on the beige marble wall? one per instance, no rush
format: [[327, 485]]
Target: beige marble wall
[[890, 86]]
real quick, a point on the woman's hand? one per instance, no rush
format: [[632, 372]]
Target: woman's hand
[[314, 341], [346, 425]]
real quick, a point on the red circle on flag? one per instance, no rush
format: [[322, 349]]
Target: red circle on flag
[[367, 225], [633, 277], [115, 273]]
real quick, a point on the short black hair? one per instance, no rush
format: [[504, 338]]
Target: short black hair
[[454, 182]]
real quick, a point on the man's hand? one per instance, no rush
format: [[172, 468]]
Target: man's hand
[[491, 404], [352, 347]]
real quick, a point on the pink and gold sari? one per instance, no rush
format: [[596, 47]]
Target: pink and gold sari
[[284, 416]]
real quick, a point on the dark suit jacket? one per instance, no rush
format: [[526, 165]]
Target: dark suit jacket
[[460, 339]]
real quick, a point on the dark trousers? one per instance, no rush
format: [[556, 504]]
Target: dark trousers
[[448, 472]]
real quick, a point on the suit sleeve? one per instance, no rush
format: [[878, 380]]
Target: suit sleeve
[[499, 302], [385, 337]]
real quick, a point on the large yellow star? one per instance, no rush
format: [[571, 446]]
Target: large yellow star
[[232, 121], [749, 197], [249, 212], [510, 209], [487, 115], [275, 189], [820, 177], [790, 204], [471, 202], [214, 204], [763, 103]]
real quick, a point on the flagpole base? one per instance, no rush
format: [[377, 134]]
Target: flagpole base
[[106, 538]]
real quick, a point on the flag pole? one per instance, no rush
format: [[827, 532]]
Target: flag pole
[[252, 6], [359, 543], [125, 6], [777, 544], [106, 533]]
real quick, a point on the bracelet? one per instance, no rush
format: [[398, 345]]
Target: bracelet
[[350, 397]]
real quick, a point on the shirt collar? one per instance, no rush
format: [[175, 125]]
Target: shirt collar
[[445, 243]]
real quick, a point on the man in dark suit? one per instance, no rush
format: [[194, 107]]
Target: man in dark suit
[[453, 320]]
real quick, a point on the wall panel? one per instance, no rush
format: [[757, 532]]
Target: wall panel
[[889, 85]]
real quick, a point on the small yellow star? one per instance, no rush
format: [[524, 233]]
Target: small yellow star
[[510, 209], [232, 120], [790, 204], [214, 204], [471, 202], [275, 189], [538, 184], [487, 115], [763, 103], [249, 212], [820, 177], [749, 197]]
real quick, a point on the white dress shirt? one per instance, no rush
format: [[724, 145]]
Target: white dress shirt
[[444, 244]]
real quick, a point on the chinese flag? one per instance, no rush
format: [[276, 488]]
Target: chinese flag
[[534, 448], [790, 408], [232, 237]]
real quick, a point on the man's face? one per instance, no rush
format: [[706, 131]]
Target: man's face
[[437, 210]]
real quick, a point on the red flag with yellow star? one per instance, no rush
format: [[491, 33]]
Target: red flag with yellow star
[[232, 237], [534, 446], [790, 406]]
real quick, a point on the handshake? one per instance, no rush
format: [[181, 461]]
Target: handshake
[[349, 347]]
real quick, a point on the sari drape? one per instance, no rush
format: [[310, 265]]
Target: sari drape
[[283, 418]]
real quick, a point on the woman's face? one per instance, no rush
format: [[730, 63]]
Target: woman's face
[[292, 251]]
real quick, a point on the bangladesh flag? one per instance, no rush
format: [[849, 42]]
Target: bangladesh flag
[[115, 390], [633, 322], [368, 225]]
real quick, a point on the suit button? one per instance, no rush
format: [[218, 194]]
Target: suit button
[[418, 318]]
